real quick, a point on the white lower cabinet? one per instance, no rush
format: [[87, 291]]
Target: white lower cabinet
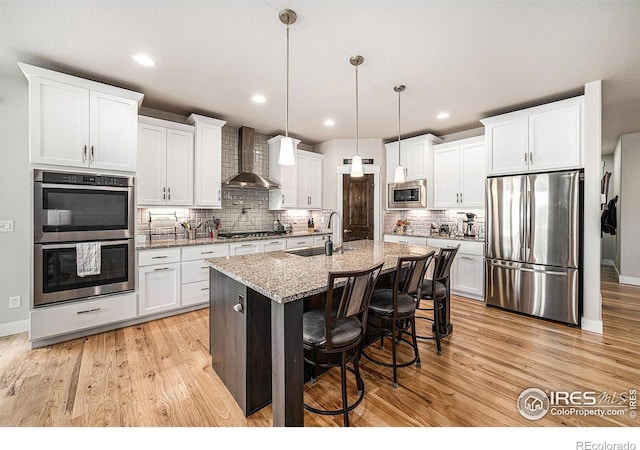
[[275, 245], [402, 239], [300, 242], [467, 270], [81, 315], [245, 248], [159, 288], [195, 272]]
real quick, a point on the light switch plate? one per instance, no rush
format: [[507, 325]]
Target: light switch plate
[[6, 225]]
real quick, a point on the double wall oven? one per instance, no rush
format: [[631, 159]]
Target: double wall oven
[[84, 236]]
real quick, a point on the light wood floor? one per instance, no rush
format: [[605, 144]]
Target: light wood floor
[[159, 374]]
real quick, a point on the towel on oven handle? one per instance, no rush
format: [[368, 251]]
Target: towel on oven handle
[[88, 258]]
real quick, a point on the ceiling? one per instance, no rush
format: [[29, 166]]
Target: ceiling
[[473, 59]]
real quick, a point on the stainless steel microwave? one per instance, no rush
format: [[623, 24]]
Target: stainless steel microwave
[[408, 195]]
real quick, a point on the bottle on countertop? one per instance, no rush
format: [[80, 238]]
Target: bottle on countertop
[[310, 225], [328, 246]]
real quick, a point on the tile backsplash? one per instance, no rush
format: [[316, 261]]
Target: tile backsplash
[[421, 219]]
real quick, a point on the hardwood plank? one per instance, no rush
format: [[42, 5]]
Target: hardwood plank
[[159, 374]]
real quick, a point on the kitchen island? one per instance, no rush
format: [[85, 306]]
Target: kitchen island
[[256, 307]]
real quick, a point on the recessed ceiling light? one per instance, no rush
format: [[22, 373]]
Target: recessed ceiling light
[[258, 98], [143, 60], [329, 122], [442, 115]]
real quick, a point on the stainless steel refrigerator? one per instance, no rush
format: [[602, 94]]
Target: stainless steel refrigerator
[[533, 253]]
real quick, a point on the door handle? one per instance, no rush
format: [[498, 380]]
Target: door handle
[[347, 231]]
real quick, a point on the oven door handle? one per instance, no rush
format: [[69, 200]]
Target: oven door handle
[[102, 244], [85, 187]]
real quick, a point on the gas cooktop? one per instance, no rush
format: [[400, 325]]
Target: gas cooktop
[[250, 234]]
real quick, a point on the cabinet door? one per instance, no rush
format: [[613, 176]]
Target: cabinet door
[[179, 168], [555, 139], [507, 144], [159, 288], [314, 177], [304, 175], [446, 177], [208, 168], [245, 248], [467, 276], [274, 246], [392, 160], [152, 167], [473, 174], [58, 123], [113, 132], [414, 157]]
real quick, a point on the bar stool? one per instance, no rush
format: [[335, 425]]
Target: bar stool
[[338, 330], [395, 309], [436, 290]]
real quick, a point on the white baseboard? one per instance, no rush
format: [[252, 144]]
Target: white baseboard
[[629, 280], [593, 326], [7, 329], [607, 262]]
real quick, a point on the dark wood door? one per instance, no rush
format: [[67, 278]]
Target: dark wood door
[[357, 207]]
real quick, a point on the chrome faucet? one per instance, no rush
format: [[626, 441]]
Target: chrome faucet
[[338, 242]]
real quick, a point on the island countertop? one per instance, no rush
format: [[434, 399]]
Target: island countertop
[[284, 277]]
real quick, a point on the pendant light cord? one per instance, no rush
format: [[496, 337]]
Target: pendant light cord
[[286, 128], [357, 131], [399, 155]]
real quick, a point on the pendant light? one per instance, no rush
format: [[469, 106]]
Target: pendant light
[[287, 154], [399, 175], [356, 161]]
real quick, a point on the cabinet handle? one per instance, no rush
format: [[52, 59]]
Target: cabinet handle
[[403, 242], [164, 193], [218, 194], [282, 198], [204, 267], [239, 307], [159, 257], [204, 289], [274, 242], [92, 154], [466, 257], [161, 268], [457, 197], [530, 157], [89, 311], [526, 158], [248, 245], [460, 197], [206, 253], [84, 153], [168, 193]]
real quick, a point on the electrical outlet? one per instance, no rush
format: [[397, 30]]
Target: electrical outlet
[[6, 226], [14, 302]]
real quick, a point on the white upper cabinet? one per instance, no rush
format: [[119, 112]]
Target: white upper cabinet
[[75, 122], [547, 137], [459, 173], [309, 180], [165, 155], [208, 161], [416, 154], [286, 176], [300, 184]]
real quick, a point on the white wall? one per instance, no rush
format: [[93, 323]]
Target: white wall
[[334, 152], [591, 297], [616, 191], [15, 185], [629, 209]]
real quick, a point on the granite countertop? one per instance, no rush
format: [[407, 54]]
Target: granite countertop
[[181, 242], [438, 236], [284, 277]]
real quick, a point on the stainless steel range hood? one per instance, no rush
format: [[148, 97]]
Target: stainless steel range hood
[[246, 177]]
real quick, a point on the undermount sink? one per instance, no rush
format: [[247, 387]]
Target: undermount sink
[[315, 251], [307, 251]]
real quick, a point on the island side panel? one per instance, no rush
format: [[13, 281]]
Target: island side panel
[[288, 364], [258, 313], [227, 334]]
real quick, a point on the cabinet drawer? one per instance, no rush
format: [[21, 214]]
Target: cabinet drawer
[[81, 315], [468, 247], [275, 245], [158, 256], [299, 242], [194, 293], [403, 239], [245, 248], [204, 251], [193, 271]]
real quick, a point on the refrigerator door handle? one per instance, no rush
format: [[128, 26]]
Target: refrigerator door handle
[[530, 208], [526, 269]]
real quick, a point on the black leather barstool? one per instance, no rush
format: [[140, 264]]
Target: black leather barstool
[[394, 310], [436, 290], [338, 330]]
